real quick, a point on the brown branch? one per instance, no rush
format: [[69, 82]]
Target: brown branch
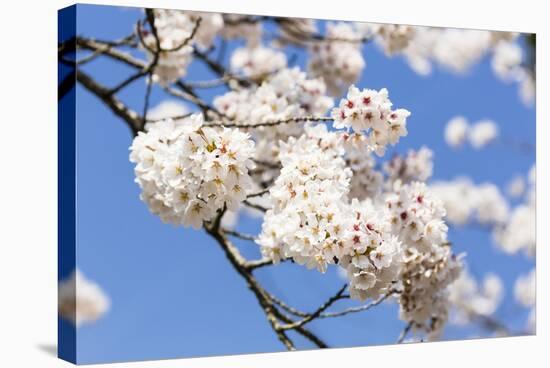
[[339, 295], [105, 49], [486, 321], [274, 123], [262, 296], [361, 308], [132, 119], [177, 117], [149, 69], [258, 194], [404, 333], [185, 93], [239, 235], [313, 36], [66, 85], [220, 70], [255, 206], [288, 308], [252, 265]]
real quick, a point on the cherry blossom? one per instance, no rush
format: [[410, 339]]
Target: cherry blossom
[[187, 172], [338, 59], [81, 300], [369, 112]]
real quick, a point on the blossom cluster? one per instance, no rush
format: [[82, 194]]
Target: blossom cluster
[[257, 61], [296, 31], [414, 166], [464, 201], [236, 26], [81, 300], [286, 94], [305, 221], [188, 172], [393, 242], [471, 299], [312, 222], [525, 290], [370, 112], [366, 181], [429, 266], [392, 38], [338, 59], [508, 64], [166, 110], [324, 199], [479, 134], [174, 29], [455, 50], [519, 231]]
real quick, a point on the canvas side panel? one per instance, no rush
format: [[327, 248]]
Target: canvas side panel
[[66, 338]]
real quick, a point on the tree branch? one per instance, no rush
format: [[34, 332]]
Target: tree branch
[[318, 312], [132, 118], [273, 123], [357, 309], [263, 297]]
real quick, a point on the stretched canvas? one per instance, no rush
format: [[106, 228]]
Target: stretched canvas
[[234, 184]]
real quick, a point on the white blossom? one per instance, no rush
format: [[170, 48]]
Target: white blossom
[[306, 221], [525, 289], [453, 49], [366, 181], [456, 131], [457, 197], [283, 95], [369, 112], [165, 110], [174, 29], [81, 300], [507, 59], [465, 201], [508, 64], [472, 299], [210, 26], [519, 231], [338, 60], [257, 61], [236, 26], [392, 38], [490, 204], [188, 172], [516, 186], [415, 165], [372, 255], [429, 264], [527, 90], [482, 133], [296, 31], [313, 223]]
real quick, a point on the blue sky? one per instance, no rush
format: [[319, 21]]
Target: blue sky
[[174, 294]]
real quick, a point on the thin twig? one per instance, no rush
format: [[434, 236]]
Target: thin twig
[[177, 117], [239, 235], [404, 333], [288, 308], [258, 194], [273, 123], [361, 308], [255, 206], [321, 309], [272, 313]]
